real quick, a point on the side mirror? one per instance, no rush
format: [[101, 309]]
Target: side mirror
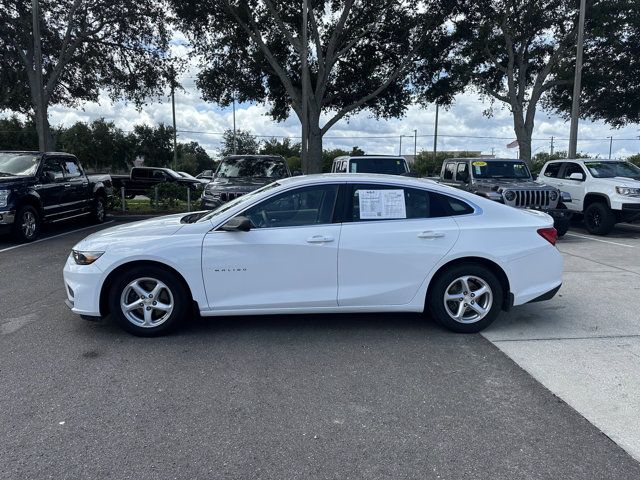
[[577, 176], [534, 176], [237, 224]]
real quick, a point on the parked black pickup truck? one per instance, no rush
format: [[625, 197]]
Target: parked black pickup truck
[[142, 179], [38, 187]]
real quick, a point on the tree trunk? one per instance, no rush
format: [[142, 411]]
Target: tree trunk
[[523, 134], [44, 130], [314, 145]]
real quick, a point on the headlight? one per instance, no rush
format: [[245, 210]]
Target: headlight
[[85, 258], [509, 195], [4, 196], [553, 195], [630, 192]]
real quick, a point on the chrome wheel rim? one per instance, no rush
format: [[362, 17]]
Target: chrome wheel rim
[[146, 302], [28, 224], [100, 210], [468, 299]]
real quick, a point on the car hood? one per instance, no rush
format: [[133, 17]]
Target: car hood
[[8, 182], [620, 182], [155, 227], [239, 183], [513, 184]]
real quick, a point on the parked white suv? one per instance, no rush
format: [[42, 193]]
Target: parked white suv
[[605, 191]]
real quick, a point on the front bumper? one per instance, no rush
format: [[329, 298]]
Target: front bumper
[[82, 285], [630, 212], [7, 217]]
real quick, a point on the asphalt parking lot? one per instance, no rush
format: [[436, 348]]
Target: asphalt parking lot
[[324, 396]]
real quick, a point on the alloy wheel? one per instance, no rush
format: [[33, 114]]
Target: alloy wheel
[[29, 224], [147, 302], [468, 299]]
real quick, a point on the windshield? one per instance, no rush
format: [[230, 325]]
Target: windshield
[[238, 200], [613, 169], [18, 164], [252, 167], [390, 166], [500, 170]]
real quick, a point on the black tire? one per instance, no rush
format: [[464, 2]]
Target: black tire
[[27, 224], [99, 209], [445, 280], [599, 219], [179, 299], [562, 224]]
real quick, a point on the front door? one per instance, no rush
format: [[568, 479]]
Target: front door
[[76, 196], [574, 187], [391, 239], [51, 188], [287, 260]]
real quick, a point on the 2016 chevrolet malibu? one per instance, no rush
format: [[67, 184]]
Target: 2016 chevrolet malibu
[[321, 244]]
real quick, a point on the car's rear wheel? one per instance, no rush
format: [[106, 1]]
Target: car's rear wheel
[[99, 209], [27, 224], [465, 298], [148, 301], [599, 219]]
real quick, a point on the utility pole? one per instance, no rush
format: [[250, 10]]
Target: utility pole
[[415, 144], [551, 148], [235, 143], [173, 112], [610, 146], [575, 104], [435, 135], [400, 148], [305, 93], [43, 137]]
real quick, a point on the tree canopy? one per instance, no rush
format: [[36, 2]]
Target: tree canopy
[[361, 56], [87, 45]]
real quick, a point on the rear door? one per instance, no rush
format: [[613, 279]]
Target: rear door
[[391, 238], [76, 193]]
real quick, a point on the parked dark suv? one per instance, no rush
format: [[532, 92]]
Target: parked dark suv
[[40, 187], [240, 174]]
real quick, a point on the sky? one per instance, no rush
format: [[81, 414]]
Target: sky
[[457, 125]]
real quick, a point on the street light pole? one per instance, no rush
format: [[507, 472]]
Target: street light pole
[[610, 146], [575, 104], [235, 142], [173, 112], [400, 148], [435, 135], [415, 144]]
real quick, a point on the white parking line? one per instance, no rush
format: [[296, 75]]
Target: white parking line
[[599, 240], [54, 236]]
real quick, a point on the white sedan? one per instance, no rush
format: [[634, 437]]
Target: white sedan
[[321, 244]]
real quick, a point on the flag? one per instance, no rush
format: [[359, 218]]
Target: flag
[[513, 144]]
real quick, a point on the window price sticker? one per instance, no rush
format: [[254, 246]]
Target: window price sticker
[[381, 204]]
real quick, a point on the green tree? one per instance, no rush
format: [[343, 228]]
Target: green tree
[[285, 147], [154, 144], [635, 159], [118, 45], [193, 158], [511, 51], [245, 141], [540, 158], [611, 66], [362, 56], [17, 135]]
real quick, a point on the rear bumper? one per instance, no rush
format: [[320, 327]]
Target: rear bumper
[[546, 296]]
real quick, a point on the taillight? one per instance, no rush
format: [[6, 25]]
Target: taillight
[[549, 234]]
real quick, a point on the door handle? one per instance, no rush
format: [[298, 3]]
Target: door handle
[[84, 184], [67, 185], [319, 239], [430, 235]]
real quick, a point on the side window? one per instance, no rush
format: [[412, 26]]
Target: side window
[[573, 168], [159, 175], [462, 174], [449, 171], [390, 202], [453, 205], [71, 168], [300, 207], [53, 170], [552, 170]]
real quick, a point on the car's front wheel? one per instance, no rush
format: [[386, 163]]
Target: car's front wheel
[[27, 224], [148, 301], [465, 298], [599, 219], [99, 212]]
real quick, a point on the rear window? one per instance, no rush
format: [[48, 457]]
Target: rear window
[[552, 170], [390, 166]]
